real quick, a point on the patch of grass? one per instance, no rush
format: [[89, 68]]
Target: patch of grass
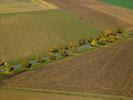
[[122, 3]]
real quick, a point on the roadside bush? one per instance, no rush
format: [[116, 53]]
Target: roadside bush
[[107, 33], [54, 49], [64, 47], [90, 40], [11, 69], [52, 57], [102, 40], [93, 43], [82, 41], [120, 30], [27, 64], [111, 39], [117, 37], [72, 45], [3, 64], [64, 53]]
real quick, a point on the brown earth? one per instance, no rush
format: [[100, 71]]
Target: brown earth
[[101, 15], [105, 71]]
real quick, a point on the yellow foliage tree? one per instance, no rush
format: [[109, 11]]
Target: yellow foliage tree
[[106, 33], [93, 43], [111, 38]]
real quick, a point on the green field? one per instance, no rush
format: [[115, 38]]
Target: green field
[[122, 3], [28, 33]]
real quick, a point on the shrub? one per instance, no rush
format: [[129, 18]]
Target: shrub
[[11, 69], [102, 40], [90, 40], [52, 57], [120, 30], [72, 45], [107, 33], [53, 49], [93, 43], [64, 47], [82, 41], [111, 38], [27, 64], [3, 64], [64, 53]]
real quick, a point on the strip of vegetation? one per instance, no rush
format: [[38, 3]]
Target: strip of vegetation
[[57, 53]]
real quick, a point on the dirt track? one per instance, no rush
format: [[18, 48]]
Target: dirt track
[[98, 14], [105, 71]]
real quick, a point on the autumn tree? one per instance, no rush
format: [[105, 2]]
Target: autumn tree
[[82, 41], [53, 49], [93, 43]]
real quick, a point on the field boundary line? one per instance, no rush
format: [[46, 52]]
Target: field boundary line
[[68, 93]]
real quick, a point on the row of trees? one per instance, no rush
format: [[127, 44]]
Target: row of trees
[[107, 36]]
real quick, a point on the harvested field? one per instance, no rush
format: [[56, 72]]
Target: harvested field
[[14, 6], [101, 15], [27, 33], [104, 71]]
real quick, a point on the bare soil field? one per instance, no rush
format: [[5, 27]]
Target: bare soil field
[[97, 13], [105, 71]]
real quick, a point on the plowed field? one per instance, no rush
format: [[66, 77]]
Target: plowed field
[[101, 15], [104, 71]]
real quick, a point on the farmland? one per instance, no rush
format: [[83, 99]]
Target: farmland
[[98, 14], [28, 33], [66, 49], [122, 3], [12, 6], [90, 72], [32, 95]]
